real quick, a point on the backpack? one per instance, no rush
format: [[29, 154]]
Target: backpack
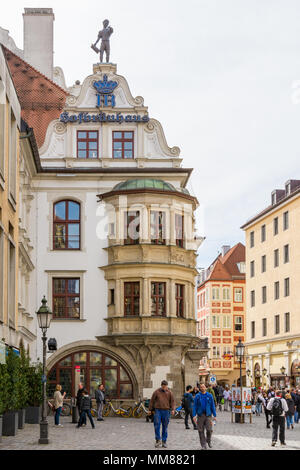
[[185, 403], [277, 407]]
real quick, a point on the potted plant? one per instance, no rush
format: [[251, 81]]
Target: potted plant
[[23, 386], [35, 394], [10, 416], [4, 385]]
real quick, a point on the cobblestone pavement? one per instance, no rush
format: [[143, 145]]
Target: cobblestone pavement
[[133, 434]]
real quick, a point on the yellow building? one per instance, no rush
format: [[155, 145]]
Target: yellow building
[[273, 278], [9, 192]]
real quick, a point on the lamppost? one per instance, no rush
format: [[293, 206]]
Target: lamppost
[[239, 353], [44, 316]]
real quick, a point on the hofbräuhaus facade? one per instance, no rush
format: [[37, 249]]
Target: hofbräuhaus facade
[[115, 242]]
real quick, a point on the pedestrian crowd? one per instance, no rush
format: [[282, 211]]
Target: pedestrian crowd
[[281, 409]]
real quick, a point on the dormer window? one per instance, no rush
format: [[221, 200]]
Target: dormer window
[[288, 189], [273, 198], [242, 267]]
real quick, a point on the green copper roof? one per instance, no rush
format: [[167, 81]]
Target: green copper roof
[[145, 183]]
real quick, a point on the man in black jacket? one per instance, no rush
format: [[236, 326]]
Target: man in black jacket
[[78, 401], [100, 400], [85, 409]]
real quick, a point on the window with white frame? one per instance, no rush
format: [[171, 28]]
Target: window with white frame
[[226, 293], [238, 323], [215, 293], [226, 321], [238, 294], [215, 321], [216, 352], [227, 349]]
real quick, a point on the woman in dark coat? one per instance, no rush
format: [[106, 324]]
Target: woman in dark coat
[[290, 414]]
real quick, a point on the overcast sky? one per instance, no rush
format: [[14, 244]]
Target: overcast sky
[[223, 78]]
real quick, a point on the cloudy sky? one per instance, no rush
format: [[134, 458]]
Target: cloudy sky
[[223, 78]]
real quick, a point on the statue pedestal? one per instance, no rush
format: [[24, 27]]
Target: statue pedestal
[[104, 67]]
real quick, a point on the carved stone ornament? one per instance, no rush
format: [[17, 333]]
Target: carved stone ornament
[[71, 100], [60, 128]]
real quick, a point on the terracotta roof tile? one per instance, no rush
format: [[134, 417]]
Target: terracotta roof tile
[[40, 98], [224, 268]]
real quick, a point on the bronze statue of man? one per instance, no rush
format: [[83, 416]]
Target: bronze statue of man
[[104, 34]]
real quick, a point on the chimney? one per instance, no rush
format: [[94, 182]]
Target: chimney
[[225, 249], [38, 39]]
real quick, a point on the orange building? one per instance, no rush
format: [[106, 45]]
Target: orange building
[[221, 310]]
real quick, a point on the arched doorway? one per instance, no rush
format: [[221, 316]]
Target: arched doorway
[[257, 378], [92, 368]]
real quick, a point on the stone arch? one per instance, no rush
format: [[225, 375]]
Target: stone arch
[[100, 347]]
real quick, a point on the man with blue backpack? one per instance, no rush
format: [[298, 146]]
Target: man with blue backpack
[[203, 410], [278, 407]]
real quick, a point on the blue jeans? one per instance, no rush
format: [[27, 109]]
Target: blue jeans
[[161, 417], [57, 415], [83, 415], [258, 408], [289, 420], [296, 416]]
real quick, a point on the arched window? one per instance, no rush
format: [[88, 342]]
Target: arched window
[[91, 368], [66, 225]]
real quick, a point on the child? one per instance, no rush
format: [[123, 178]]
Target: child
[[85, 409]]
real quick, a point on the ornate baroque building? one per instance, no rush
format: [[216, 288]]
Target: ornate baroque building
[[114, 244]]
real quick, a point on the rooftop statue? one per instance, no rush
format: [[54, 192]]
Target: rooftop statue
[[104, 34]]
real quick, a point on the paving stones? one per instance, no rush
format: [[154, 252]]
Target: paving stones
[[133, 434]]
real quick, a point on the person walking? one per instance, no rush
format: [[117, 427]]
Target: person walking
[[203, 410], [289, 415], [227, 397], [267, 412], [162, 401], [297, 407], [188, 403], [58, 403], [278, 407], [78, 401], [211, 391], [100, 400], [259, 403], [85, 409]]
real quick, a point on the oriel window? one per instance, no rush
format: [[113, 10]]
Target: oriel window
[[123, 144], [132, 228], [87, 144], [179, 229], [179, 288], [131, 298], [158, 228], [66, 298], [66, 225], [158, 299]]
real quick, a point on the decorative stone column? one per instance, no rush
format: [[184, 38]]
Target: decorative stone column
[[267, 366], [286, 356]]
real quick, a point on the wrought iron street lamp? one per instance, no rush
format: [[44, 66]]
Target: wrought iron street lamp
[[44, 316], [264, 372], [282, 370], [240, 353], [248, 372]]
